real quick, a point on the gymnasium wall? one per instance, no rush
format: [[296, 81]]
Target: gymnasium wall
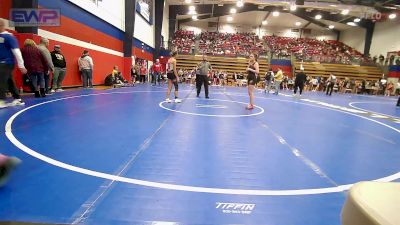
[[143, 30], [165, 24], [81, 30], [386, 37], [197, 27], [354, 37], [102, 35], [111, 11]]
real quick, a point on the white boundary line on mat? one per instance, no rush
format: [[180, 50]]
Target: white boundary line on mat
[[176, 187]]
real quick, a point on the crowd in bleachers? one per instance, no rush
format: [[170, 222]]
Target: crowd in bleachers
[[312, 50], [243, 44], [391, 60], [302, 49], [239, 44], [184, 41]]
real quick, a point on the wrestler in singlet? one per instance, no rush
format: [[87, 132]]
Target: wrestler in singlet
[[251, 76]]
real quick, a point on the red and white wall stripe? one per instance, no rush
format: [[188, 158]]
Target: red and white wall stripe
[[80, 30]]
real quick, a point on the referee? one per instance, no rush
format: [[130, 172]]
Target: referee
[[299, 81], [202, 75]]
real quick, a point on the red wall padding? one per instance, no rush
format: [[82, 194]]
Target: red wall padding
[[394, 74], [142, 55], [73, 29], [5, 6], [103, 62]]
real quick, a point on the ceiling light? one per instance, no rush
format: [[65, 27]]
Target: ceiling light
[[351, 24], [297, 23], [192, 8], [331, 26], [233, 11], [345, 12], [264, 22], [318, 17], [293, 7], [192, 12], [276, 13], [229, 19], [356, 20], [194, 17], [188, 1], [333, 5], [392, 16], [239, 3]]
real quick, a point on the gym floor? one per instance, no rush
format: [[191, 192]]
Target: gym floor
[[124, 156]]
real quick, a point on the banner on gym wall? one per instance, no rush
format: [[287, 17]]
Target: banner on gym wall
[[145, 9]]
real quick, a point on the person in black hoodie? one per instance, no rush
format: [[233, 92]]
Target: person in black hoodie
[[299, 81], [59, 68]]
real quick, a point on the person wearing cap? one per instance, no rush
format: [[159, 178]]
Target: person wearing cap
[[299, 81], [85, 63], [60, 68]]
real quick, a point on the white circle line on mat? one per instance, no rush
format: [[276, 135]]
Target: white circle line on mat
[[161, 104], [176, 187], [359, 108]]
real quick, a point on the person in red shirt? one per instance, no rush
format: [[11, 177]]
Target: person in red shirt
[[157, 70], [143, 72], [36, 65]]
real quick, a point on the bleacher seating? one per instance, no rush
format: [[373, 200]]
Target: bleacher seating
[[240, 44], [313, 50], [184, 41], [370, 73], [321, 58], [226, 64]]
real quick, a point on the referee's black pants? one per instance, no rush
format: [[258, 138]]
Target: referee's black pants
[[200, 80], [299, 85]]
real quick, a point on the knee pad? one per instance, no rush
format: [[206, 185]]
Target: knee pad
[[176, 85]]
